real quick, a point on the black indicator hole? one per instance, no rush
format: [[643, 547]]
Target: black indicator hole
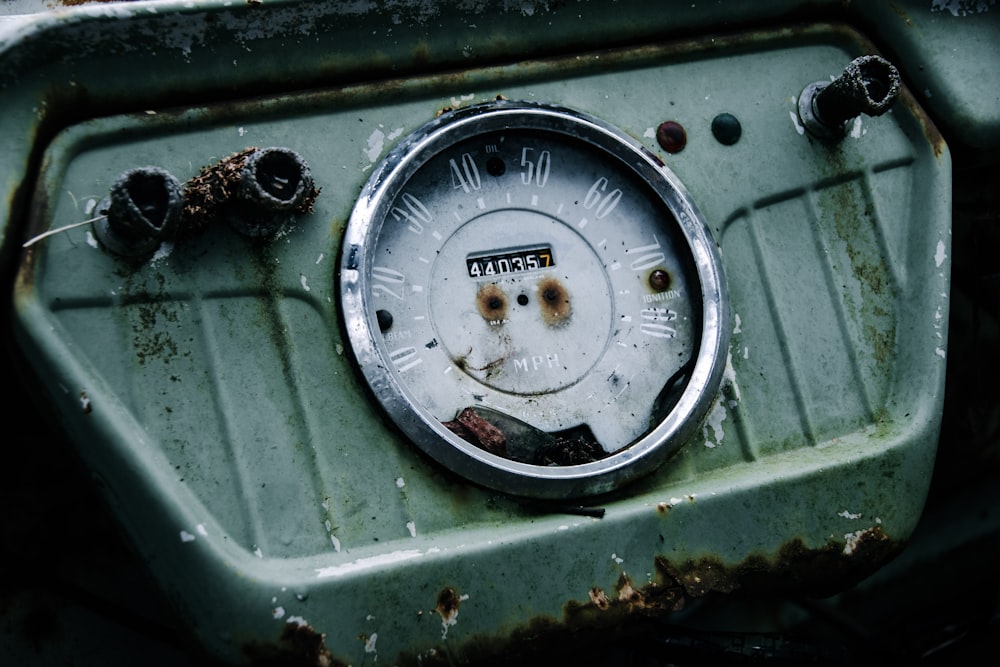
[[495, 167], [384, 318]]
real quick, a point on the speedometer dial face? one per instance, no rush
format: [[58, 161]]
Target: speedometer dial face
[[534, 300]]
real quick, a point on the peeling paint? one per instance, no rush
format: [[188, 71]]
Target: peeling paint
[[714, 422], [162, 252], [664, 506], [856, 131], [729, 378], [962, 7], [368, 563], [671, 587], [375, 143], [852, 540], [799, 128]]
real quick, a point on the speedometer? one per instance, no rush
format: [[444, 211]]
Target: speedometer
[[534, 299]]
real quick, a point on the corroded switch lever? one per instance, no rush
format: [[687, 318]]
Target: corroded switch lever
[[142, 209], [275, 183], [869, 85]]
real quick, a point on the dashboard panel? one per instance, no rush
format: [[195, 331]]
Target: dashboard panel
[[214, 383]]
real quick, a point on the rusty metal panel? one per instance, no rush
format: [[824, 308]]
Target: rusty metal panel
[[211, 387]]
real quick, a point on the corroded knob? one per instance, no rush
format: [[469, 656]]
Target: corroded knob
[[869, 85]]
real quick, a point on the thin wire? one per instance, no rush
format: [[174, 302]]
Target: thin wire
[[61, 229]]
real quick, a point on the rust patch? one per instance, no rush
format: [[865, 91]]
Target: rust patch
[[699, 578], [448, 602], [855, 219], [207, 193], [474, 429], [663, 596], [599, 599], [931, 133], [795, 569], [492, 303], [554, 300], [605, 616], [299, 646]]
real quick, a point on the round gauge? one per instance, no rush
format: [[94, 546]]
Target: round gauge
[[534, 299]]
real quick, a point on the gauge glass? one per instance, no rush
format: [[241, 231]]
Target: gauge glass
[[533, 299]]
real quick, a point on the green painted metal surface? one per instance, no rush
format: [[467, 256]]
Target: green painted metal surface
[[952, 50], [211, 389]]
